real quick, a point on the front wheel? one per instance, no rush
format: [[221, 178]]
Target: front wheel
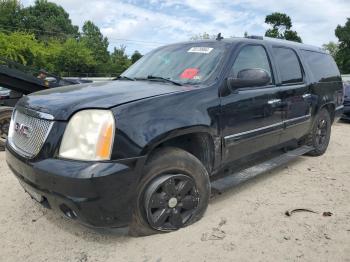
[[5, 119], [320, 133], [173, 193]]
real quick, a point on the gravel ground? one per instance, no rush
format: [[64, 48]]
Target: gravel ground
[[248, 223]]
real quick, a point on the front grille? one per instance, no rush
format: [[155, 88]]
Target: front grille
[[28, 133]]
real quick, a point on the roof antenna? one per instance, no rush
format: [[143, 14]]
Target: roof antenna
[[219, 37]]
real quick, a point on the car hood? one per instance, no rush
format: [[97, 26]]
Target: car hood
[[62, 102]]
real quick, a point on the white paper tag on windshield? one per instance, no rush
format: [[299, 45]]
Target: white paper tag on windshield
[[202, 50]]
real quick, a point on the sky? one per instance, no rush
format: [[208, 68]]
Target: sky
[[152, 23]]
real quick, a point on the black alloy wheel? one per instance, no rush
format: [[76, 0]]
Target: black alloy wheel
[[319, 136], [171, 201], [321, 132]]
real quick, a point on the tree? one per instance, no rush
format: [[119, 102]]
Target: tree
[[332, 48], [10, 14], [54, 56], [75, 57], [43, 36], [343, 54], [135, 56], [48, 20], [119, 60], [281, 27], [94, 40], [26, 53]]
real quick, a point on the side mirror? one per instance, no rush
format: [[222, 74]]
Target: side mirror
[[254, 77]]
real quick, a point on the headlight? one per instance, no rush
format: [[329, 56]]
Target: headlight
[[89, 136]]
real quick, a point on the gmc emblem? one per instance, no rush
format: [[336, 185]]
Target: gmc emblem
[[22, 130]]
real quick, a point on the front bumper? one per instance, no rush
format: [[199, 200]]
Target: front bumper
[[99, 194]]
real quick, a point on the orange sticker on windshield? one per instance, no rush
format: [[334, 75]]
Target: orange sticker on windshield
[[189, 73]]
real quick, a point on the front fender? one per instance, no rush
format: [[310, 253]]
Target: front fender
[[144, 124]]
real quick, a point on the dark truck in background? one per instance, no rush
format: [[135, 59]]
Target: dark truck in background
[[17, 80], [346, 115], [146, 150]]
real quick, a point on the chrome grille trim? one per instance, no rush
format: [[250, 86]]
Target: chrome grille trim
[[39, 129], [33, 113]]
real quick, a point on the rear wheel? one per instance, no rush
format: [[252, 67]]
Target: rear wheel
[[5, 119], [174, 193], [320, 133]]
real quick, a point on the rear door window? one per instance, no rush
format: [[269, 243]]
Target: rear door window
[[322, 66], [289, 65]]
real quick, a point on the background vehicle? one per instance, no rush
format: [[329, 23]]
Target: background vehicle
[[147, 149], [21, 80], [346, 115], [8, 97]]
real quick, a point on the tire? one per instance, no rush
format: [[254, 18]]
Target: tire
[[320, 133], [5, 118], [175, 169]]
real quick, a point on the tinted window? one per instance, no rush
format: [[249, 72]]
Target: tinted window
[[288, 65], [321, 65], [251, 57]]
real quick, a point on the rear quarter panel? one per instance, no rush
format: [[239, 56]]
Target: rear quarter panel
[[325, 91]]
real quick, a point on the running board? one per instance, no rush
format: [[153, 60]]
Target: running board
[[227, 182]]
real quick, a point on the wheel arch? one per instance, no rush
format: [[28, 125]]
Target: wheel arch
[[330, 107], [197, 141]]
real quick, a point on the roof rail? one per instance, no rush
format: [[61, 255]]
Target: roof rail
[[258, 37], [284, 41]]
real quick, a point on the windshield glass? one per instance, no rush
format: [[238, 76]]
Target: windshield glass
[[186, 63]]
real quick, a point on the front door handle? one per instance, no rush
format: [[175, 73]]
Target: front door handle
[[274, 101], [306, 96]]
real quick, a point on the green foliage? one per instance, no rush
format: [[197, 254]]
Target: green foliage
[[10, 14], [135, 56], [71, 56], [119, 61], [25, 53], [343, 54], [43, 36], [47, 20], [74, 56], [281, 27], [332, 48], [94, 40]]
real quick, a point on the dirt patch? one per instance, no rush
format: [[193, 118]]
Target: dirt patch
[[248, 223]]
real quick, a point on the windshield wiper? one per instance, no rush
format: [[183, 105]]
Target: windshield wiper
[[125, 78], [150, 77]]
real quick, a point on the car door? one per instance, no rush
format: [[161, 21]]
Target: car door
[[250, 117], [295, 93]]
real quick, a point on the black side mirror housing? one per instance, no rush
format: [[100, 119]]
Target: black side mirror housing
[[254, 77]]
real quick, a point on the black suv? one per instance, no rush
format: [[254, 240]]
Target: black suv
[[141, 150], [346, 115]]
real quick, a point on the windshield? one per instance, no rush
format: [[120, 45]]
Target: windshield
[[186, 63]]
